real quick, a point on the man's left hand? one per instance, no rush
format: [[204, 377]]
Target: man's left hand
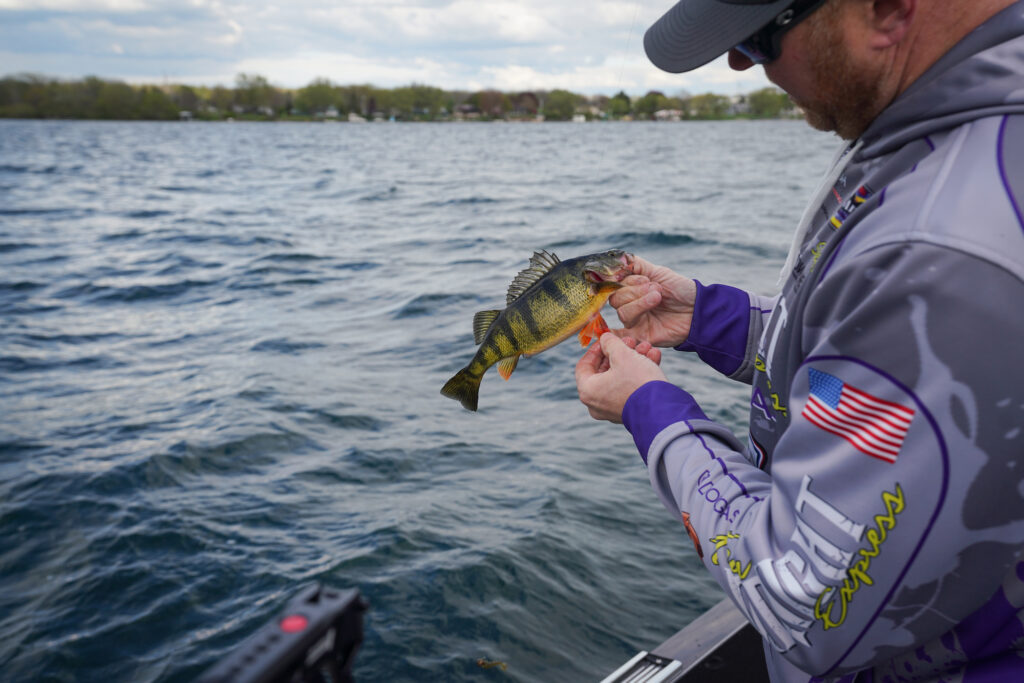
[[611, 370]]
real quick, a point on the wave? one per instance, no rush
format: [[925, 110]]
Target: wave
[[463, 201], [131, 293], [365, 423], [186, 460], [21, 286], [356, 265], [119, 236], [72, 339], [6, 247], [146, 213], [34, 364], [284, 346], [291, 258], [630, 241], [381, 196], [183, 189], [426, 304], [222, 240], [33, 211], [17, 448], [655, 238], [42, 170]]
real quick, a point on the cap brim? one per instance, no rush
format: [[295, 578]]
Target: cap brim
[[694, 32]]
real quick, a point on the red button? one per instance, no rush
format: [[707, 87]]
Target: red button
[[294, 623]]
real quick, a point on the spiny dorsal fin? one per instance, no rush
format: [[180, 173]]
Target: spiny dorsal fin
[[541, 263], [482, 322]]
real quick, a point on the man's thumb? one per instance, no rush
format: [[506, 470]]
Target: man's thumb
[[612, 345]]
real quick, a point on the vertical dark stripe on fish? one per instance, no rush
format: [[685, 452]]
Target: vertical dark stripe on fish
[[490, 352], [530, 321], [551, 287], [506, 334]]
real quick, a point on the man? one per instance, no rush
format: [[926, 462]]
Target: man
[[872, 525]]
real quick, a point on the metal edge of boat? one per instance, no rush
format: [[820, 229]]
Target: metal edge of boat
[[720, 646]]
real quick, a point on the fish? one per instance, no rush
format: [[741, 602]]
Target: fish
[[547, 303]]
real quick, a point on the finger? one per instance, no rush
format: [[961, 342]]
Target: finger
[[629, 313], [620, 332], [641, 266], [630, 291], [615, 348], [590, 363], [645, 348], [635, 280], [618, 351], [629, 341]]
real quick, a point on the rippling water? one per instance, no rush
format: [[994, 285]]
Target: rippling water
[[221, 347]]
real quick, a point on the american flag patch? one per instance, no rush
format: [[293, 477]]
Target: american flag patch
[[871, 425]]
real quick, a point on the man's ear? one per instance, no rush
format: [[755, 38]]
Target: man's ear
[[889, 20]]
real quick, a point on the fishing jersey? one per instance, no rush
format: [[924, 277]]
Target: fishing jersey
[[871, 525]]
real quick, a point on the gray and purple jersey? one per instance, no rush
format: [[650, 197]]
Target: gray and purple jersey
[[871, 526]]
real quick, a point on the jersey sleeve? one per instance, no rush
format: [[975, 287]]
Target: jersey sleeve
[[727, 322], [894, 509]]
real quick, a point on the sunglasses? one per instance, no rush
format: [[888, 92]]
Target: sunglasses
[[764, 45]]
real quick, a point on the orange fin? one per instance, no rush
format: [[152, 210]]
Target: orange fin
[[507, 365], [693, 535], [594, 328]]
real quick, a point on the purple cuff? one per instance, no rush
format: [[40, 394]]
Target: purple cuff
[[653, 407], [721, 322]]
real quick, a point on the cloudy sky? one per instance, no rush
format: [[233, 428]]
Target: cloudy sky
[[586, 46]]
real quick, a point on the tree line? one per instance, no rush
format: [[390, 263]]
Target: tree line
[[253, 97]]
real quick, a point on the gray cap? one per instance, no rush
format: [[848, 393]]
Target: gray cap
[[694, 32]]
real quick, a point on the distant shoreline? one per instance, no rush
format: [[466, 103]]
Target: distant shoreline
[[728, 119], [253, 98]]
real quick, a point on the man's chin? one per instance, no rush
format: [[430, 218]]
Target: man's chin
[[819, 120], [848, 124]]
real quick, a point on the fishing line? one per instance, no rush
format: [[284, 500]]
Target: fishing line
[[625, 51], [622, 69]]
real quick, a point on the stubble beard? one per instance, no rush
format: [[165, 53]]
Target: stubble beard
[[849, 96]]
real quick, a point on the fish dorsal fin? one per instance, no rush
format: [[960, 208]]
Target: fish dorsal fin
[[541, 263], [482, 322]]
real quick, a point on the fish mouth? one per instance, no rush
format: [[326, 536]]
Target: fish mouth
[[614, 267]]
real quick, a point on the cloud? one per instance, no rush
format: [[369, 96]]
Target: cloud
[[345, 68], [74, 5], [634, 75], [455, 44], [232, 36]]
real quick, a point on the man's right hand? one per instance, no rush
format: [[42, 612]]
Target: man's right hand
[[655, 304]]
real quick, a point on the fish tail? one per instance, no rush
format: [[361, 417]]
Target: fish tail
[[463, 387]]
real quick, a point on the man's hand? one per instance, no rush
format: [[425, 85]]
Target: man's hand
[[655, 304], [611, 370]]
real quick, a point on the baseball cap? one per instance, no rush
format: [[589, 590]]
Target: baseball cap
[[694, 32]]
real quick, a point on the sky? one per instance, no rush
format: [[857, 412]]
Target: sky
[[588, 47]]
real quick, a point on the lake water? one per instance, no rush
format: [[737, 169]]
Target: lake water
[[221, 347]]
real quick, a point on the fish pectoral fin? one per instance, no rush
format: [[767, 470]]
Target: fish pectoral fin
[[594, 328], [507, 365]]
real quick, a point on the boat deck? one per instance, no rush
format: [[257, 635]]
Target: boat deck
[[720, 646]]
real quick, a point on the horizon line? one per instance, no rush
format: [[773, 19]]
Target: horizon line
[[166, 82]]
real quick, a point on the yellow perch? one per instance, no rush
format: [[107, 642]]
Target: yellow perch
[[546, 303]]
